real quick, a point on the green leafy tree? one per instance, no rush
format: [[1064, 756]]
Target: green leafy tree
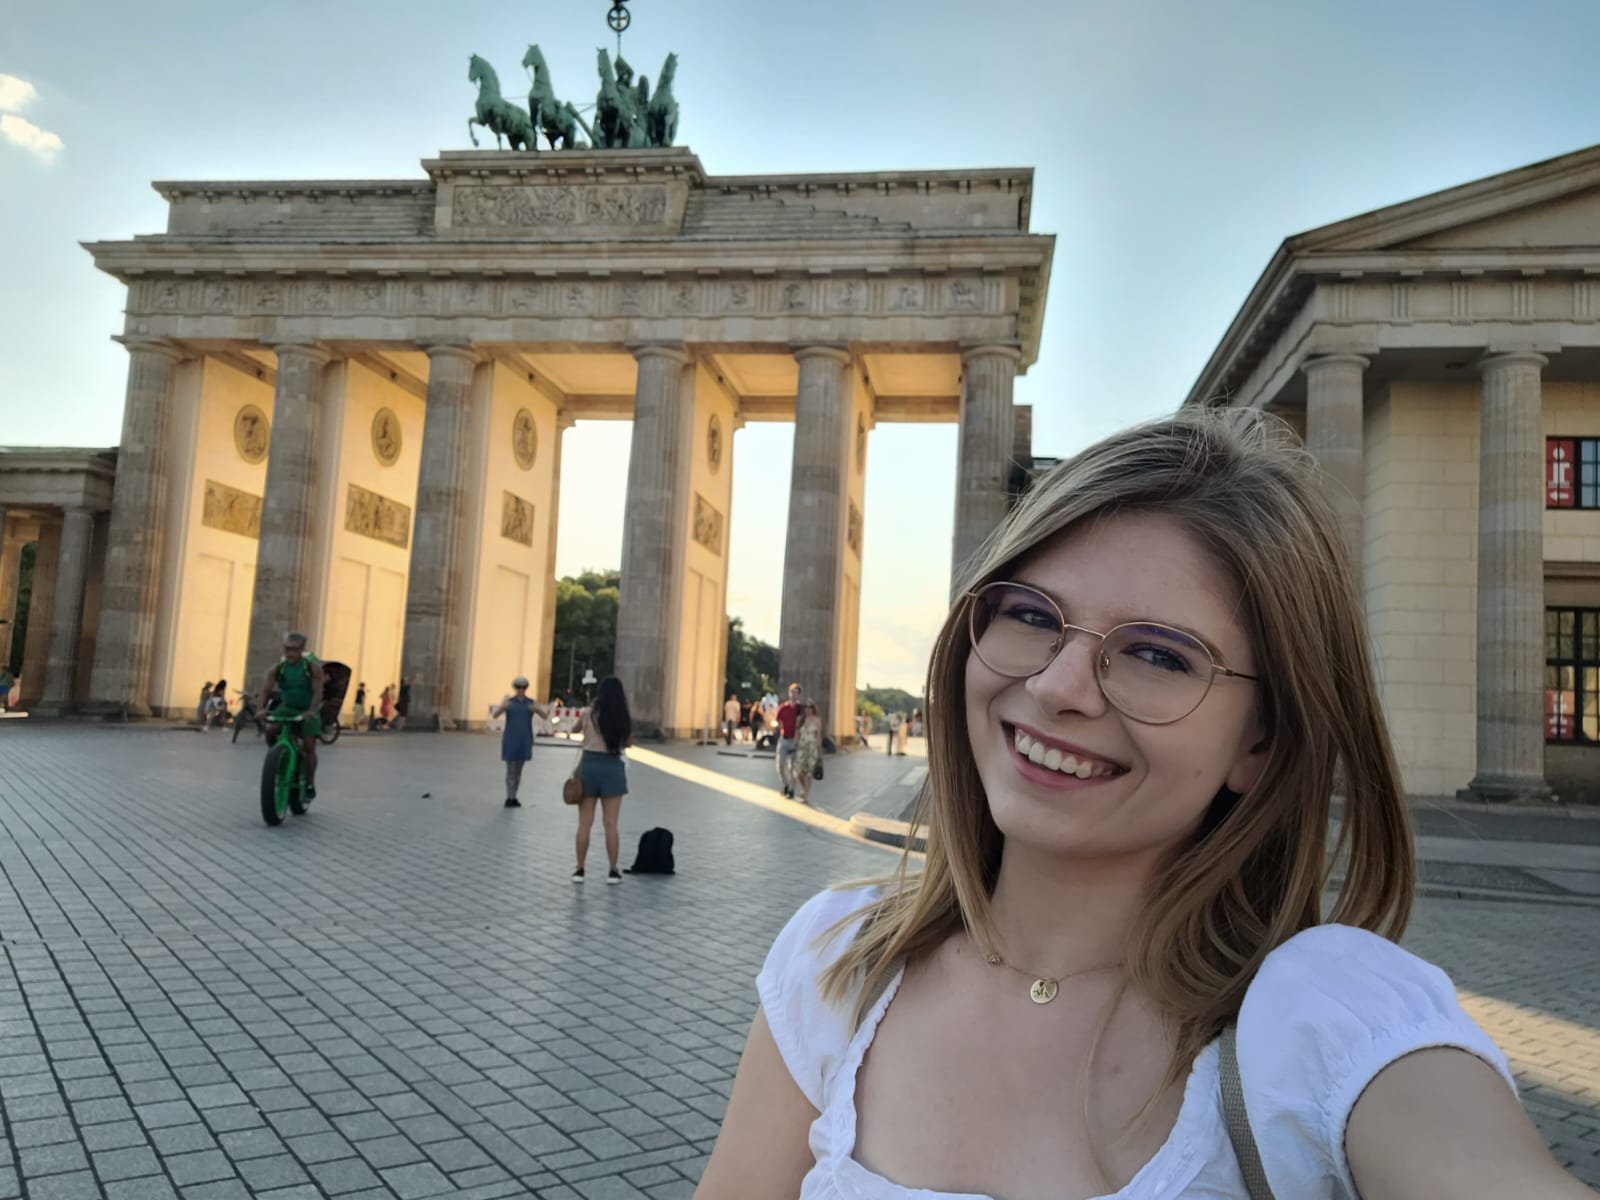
[[867, 708], [752, 664], [586, 627], [886, 700], [19, 615]]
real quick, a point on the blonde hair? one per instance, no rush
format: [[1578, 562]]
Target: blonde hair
[[1253, 873]]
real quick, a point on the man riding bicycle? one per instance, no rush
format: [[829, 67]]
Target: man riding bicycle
[[297, 678]]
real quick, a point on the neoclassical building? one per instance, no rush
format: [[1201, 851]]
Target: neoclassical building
[[345, 407], [1442, 359]]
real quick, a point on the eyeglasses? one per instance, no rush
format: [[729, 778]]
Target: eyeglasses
[[1150, 672]]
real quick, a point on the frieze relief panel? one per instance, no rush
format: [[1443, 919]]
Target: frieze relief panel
[[516, 519], [707, 524], [561, 210], [853, 529], [377, 517], [231, 510]]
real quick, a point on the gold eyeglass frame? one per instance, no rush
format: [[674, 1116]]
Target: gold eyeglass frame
[[1102, 662]]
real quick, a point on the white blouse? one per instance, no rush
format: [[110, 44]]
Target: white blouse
[[1328, 1010]]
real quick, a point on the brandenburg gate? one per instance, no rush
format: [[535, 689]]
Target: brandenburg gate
[[345, 407]]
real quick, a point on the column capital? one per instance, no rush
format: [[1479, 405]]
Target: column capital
[[675, 351], [829, 350], [151, 345], [972, 350], [1507, 358], [314, 351], [1359, 361], [565, 419], [462, 351]]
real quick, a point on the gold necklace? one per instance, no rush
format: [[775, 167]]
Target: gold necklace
[[1044, 988]]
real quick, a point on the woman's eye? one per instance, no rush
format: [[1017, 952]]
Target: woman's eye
[[1034, 618], [1163, 658]]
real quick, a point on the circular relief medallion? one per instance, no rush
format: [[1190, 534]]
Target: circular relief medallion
[[251, 433], [386, 438], [524, 439], [714, 443]]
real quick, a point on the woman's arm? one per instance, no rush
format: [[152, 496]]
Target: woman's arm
[[763, 1151], [1440, 1124], [499, 710]]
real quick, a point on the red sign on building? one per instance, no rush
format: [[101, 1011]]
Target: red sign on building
[[1560, 466]]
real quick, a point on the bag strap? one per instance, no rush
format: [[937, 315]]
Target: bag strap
[[1244, 1142]]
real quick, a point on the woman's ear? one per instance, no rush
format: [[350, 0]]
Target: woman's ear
[[1251, 760]]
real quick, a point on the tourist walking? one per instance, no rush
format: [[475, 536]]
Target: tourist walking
[[607, 731], [385, 708], [807, 749], [402, 704], [787, 718], [516, 740], [360, 717], [894, 733], [755, 724], [730, 719], [1132, 808]]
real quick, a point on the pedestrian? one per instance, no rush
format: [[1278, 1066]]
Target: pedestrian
[[755, 724], [894, 733], [607, 730], [807, 749], [901, 734], [787, 718], [1137, 821], [385, 708], [744, 721], [6, 680], [360, 711], [730, 718], [200, 706], [402, 704], [516, 740], [217, 706]]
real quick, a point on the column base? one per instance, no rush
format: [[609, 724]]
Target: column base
[[1507, 789], [113, 711]]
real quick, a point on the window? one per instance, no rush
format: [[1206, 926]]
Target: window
[[1572, 472], [1572, 675]]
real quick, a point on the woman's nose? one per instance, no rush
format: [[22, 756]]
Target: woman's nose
[[1071, 683]]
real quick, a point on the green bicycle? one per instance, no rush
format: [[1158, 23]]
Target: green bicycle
[[283, 783]]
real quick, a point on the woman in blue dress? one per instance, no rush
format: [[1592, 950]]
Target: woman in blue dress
[[516, 743]]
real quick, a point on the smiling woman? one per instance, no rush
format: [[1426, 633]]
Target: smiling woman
[[1136, 708]]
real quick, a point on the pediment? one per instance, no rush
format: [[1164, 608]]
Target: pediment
[[1547, 205]]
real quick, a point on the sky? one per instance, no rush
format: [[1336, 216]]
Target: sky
[[1175, 143]]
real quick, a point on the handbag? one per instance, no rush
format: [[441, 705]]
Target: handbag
[[572, 786], [816, 771]]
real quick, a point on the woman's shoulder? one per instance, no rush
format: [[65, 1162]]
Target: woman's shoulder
[[1328, 1010], [812, 1033]]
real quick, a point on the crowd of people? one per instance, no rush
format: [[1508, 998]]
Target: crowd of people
[[215, 709]]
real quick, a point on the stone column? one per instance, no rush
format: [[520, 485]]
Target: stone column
[[651, 534], [66, 612], [1510, 582], [430, 657], [1335, 436], [547, 618], [120, 682], [282, 600], [986, 437], [813, 558]]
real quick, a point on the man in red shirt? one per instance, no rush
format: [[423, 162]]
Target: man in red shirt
[[788, 717]]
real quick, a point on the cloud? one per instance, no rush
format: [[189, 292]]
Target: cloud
[[15, 94], [20, 131]]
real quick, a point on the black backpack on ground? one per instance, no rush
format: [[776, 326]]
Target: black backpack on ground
[[655, 853]]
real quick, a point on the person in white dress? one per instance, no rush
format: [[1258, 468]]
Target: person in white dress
[[1145, 685]]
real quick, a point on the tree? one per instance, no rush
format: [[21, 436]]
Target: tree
[[887, 700], [752, 664], [586, 627]]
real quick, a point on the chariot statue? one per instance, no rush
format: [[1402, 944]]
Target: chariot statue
[[626, 115]]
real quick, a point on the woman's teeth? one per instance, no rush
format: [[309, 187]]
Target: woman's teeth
[[1053, 759]]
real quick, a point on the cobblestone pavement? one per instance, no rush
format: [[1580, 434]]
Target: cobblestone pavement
[[402, 995]]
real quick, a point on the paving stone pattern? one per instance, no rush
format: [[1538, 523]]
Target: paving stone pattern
[[404, 996]]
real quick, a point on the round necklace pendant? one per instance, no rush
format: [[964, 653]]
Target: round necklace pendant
[[1043, 991]]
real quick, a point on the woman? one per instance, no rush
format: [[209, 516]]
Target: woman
[[1135, 820], [200, 708], [607, 730], [217, 705], [385, 708], [516, 740], [757, 718], [359, 720], [807, 749]]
